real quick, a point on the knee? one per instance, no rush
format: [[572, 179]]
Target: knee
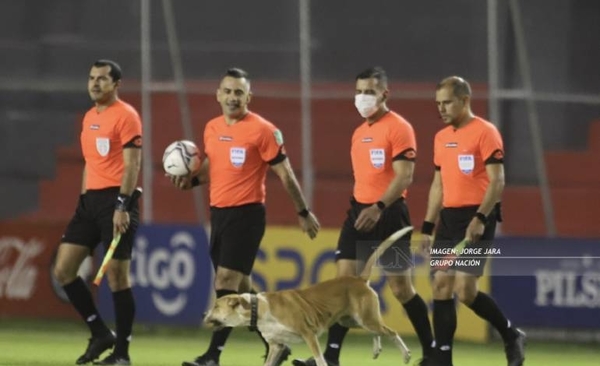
[[402, 290], [64, 275], [117, 279], [442, 289], [466, 293]]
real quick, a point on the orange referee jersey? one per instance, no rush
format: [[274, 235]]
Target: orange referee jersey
[[239, 156], [374, 148], [461, 155], [102, 139]]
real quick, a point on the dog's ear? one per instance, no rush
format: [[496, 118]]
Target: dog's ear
[[232, 302]]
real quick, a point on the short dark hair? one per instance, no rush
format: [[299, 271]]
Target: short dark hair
[[376, 72], [115, 69], [460, 87], [236, 72]]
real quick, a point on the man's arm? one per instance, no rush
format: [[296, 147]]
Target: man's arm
[[132, 159], [285, 173], [494, 190], [403, 175], [308, 221], [492, 195], [201, 176], [434, 206], [83, 179], [403, 170], [434, 202]]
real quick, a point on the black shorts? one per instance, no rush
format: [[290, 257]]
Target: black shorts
[[92, 223], [452, 229], [356, 245], [235, 236]]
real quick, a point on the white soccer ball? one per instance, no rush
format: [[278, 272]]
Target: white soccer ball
[[181, 158]]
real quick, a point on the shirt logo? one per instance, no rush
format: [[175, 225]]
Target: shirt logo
[[102, 145], [94, 127], [466, 163], [237, 156], [225, 138], [367, 139], [377, 158], [452, 145]]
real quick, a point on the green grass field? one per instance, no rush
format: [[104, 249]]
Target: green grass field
[[60, 343]]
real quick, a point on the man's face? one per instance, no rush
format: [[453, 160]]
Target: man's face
[[450, 107], [234, 95], [371, 87], [101, 85]]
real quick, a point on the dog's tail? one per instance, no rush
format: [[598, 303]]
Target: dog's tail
[[366, 273]]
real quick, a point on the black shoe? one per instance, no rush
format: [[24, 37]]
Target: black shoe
[[428, 362], [311, 362], [114, 359], [96, 346], [515, 350], [204, 360], [281, 357]]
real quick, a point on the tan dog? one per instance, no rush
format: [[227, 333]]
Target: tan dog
[[291, 316]]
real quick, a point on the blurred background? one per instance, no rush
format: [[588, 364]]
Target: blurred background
[[533, 66]]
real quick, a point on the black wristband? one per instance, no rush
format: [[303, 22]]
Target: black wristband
[[380, 205], [304, 213], [427, 228], [195, 182], [122, 202], [481, 217]]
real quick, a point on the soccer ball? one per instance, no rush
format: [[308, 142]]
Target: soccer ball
[[181, 158]]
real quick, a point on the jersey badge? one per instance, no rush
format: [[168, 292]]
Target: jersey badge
[[377, 158], [237, 156], [103, 145], [466, 163]]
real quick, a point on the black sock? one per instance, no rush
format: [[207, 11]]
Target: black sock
[[124, 313], [335, 337], [486, 308], [81, 298], [219, 337], [417, 313], [444, 325], [265, 343]]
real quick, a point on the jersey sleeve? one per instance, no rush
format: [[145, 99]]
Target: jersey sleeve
[[491, 146], [403, 141], [270, 146], [130, 133]]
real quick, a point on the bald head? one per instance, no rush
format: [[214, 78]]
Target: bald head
[[459, 86]]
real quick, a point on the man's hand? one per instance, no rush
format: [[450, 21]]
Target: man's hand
[[183, 182], [120, 222], [425, 246], [310, 225], [474, 230], [367, 219]]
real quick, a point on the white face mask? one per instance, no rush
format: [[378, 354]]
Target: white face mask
[[365, 104]]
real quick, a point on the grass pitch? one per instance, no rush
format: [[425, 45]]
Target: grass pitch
[[45, 343]]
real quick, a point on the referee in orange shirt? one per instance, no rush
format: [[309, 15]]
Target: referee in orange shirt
[[111, 140], [240, 146], [383, 154], [464, 195]]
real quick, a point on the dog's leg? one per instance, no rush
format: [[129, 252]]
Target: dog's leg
[[313, 343], [273, 349], [370, 319], [381, 329], [376, 346]]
